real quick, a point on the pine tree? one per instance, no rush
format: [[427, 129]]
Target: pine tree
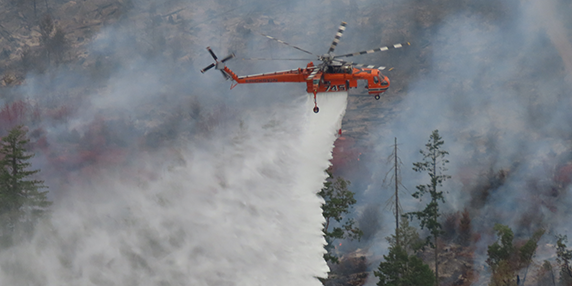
[[401, 269], [409, 239], [395, 177], [564, 256], [434, 164], [337, 202], [21, 201]]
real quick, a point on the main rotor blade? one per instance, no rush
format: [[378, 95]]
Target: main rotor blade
[[339, 34], [212, 53], [282, 42], [270, 59], [368, 66], [314, 72], [208, 68], [382, 49], [228, 58], [361, 65]]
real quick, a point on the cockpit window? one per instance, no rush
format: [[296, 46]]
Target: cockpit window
[[375, 79]]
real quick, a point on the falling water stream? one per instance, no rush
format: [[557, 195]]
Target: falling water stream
[[237, 210]]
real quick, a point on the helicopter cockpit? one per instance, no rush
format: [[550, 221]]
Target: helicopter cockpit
[[380, 78]]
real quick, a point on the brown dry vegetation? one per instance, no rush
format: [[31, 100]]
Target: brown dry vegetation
[[38, 38]]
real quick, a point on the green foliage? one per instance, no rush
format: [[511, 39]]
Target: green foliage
[[526, 252], [505, 259], [409, 239], [500, 252], [564, 256], [337, 203], [401, 269], [21, 201], [504, 275], [434, 164], [401, 266]]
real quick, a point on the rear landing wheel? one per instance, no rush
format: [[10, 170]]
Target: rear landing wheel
[[316, 109], [377, 97]]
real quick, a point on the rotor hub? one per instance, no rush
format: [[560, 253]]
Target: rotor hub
[[327, 58]]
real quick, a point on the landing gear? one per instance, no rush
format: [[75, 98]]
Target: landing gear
[[377, 97], [316, 109]]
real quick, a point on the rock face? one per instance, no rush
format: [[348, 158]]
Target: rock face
[[352, 270], [21, 33]]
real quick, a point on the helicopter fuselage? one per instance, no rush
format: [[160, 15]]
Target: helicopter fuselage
[[333, 79]]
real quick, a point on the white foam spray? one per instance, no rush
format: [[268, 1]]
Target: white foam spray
[[239, 209]]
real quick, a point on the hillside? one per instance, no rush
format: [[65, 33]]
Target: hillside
[[101, 84]]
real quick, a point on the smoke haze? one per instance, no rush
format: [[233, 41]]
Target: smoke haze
[[492, 76], [162, 176], [236, 208], [497, 91]]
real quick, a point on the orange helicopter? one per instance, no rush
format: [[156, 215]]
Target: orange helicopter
[[331, 75]]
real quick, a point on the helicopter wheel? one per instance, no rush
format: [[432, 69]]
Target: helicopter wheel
[[316, 109], [377, 97]]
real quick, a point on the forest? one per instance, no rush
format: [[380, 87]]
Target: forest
[[459, 175]]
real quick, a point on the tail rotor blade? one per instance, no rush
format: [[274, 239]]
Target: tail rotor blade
[[212, 53], [219, 65], [339, 34], [228, 58], [208, 68], [382, 49]]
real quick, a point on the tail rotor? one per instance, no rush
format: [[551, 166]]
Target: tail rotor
[[219, 65]]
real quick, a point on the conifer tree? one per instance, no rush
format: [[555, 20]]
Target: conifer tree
[[434, 164], [409, 239], [564, 256], [21, 198], [401, 269], [337, 203], [395, 177]]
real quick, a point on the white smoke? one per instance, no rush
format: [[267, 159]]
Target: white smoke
[[237, 209]]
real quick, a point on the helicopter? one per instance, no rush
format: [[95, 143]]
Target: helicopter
[[331, 75]]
